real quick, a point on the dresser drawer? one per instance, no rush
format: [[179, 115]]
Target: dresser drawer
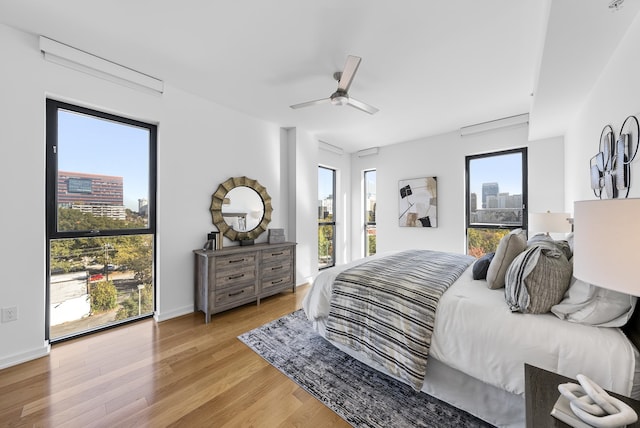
[[282, 281], [276, 254], [276, 268], [235, 261], [235, 277], [235, 295]]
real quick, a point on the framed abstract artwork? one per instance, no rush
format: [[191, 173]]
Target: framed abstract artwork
[[418, 202]]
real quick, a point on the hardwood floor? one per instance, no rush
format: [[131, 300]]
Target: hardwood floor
[[181, 372]]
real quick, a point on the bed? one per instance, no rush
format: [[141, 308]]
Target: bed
[[479, 346]]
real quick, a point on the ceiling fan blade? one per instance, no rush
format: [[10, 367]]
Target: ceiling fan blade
[[350, 68], [310, 103], [362, 106]]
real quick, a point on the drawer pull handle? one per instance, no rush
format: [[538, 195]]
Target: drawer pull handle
[[236, 276], [236, 261], [277, 254], [277, 282], [277, 267], [236, 294]]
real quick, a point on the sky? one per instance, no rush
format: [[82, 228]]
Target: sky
[[325, 183], [96, 146], [506, 170]]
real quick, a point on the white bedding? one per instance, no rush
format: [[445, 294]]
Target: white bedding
[[476, 334]]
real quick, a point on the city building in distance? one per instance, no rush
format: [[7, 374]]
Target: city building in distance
[[100, 195], [498, 208]]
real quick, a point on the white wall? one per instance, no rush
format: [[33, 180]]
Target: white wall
[[194, 137], [193, 159], [612, 99], [443, 156], [303, 188]]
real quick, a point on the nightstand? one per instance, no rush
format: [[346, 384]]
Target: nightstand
[[541, 393]]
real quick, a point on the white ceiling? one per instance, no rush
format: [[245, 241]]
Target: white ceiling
[[430, 67]]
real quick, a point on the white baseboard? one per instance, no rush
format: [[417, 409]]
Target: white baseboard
[[159, 317], [304, 281], [23, 357]]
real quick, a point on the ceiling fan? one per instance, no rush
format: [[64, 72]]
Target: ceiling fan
[[341, 96]]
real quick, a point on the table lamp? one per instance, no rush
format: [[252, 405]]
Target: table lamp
[[605, 255], [549, 222], [606, 244]]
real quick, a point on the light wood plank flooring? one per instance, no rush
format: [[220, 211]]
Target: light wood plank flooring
[[180, 372]]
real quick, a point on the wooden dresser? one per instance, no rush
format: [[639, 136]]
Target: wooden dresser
[[234, 276]]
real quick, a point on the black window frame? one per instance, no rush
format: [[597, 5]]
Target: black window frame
[[330, 223], [51, 174], [368, 223], [525, 204]]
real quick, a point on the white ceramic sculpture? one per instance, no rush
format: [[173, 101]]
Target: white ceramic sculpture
[[594, 406]]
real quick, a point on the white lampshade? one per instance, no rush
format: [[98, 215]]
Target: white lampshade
[[606, 244], [549, 222]]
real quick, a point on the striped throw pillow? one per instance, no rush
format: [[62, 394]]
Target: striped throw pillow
[[537, 279]]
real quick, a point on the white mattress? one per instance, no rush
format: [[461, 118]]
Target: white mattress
[[476, 334]]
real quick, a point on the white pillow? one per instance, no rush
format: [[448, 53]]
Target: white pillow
[[588, 304], [569, 240]]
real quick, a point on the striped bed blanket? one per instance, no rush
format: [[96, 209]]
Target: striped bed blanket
[[386, 308]]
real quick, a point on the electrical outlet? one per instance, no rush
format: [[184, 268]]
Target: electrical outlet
[[9, 314]]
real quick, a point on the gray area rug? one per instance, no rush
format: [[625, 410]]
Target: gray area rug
[[359, 394]]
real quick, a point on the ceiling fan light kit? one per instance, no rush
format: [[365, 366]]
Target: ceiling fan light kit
[[341, 96]]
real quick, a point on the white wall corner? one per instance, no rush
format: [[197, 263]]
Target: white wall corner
[[23, 357], [174, 313]]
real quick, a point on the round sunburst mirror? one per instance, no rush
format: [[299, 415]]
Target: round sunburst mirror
[[241, 208]]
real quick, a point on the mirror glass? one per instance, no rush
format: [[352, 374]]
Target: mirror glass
[[242, 209]]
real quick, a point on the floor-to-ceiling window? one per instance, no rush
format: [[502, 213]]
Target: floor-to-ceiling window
[[369, 212], [496, 198], [326, 217], [100, 219]]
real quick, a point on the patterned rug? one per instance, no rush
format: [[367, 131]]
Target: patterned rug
[[359, 394]]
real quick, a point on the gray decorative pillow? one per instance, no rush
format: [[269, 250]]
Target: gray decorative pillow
[[539, 237], [537, 279], [542, 238], [512, 244], [481, 266], [565, 248]]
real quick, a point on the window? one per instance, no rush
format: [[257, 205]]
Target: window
[[326, 218], [370, 212], [496, 194], [100, 220]]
